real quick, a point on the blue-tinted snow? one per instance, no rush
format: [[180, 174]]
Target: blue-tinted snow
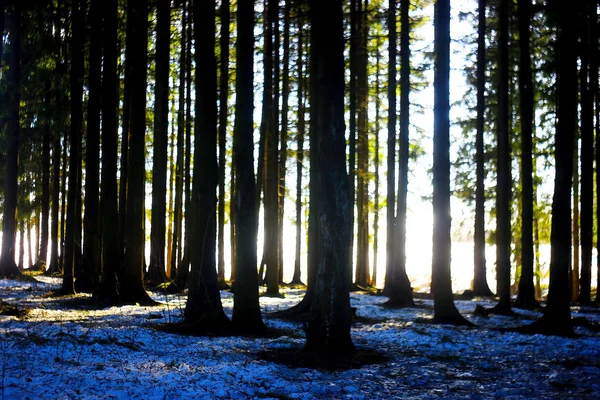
[[64, 353]]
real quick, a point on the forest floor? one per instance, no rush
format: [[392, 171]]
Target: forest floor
[[62, 350]]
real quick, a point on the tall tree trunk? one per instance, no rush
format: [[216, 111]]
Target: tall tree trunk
[[362, 150], [90, 266], [223, 97], [373, 280], [594, 88], [56, 134], [557, 314], [503, 186], [30, 246], [125, 133], [178, 212], [271, 159], [184, 267], [204, 305], [300, 152], [445, 311], [246, 308], [480, 285], [156, 269], [391, 149], [74, 193], [526, 295], [587, 155], [108, 291], [328, 331], [574, 272], [131, 279], [21, 262], [284, 134], [42, 256], [63, 185], [354, 52], [401, 291]]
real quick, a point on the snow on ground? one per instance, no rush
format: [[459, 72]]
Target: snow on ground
[[66, 352]]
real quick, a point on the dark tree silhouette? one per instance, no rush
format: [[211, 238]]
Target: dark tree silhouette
[[557, 314], [204, 306], [401, 291], [480, 285], [246, 308], [526, 296], [156, 269], [503, 185], [111, 257], [328, 331], [131, 282], [8, 267], [445, 311], [89, 274], [71, 254]]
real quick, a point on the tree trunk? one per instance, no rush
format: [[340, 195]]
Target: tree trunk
[[131, 279], [480, 285], [557, 314], [503, 186], [223, 97], [445, 311], [362, 151], [391, 149], [271, 160], [108, 291], [42, 256], [8, 267], [178, 212], [56, 134], [373, 280], [400, 290], [352, 106], [184, 267], [296, 280], [574, 272], [74, 193], [328, 331], [587, 154], [156, 269], [284, 134], [246, 308], [90, 266], [526, 295], [204, 302]]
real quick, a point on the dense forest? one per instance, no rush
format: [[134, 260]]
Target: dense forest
[[186, 127]]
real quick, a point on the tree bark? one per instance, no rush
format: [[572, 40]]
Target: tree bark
[[246, 308], [445, 311], [480, 284], [8, 267], [362, 150], [271, 160], [156, 269], [587, 154], [204, 302], [108, 291], [391, 148], [131, 279], [503, 185], [328, 331], [89, 277], [557, 314], [296, 279], [223, 97], [526, 295], [178, 212], [74, 193]]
